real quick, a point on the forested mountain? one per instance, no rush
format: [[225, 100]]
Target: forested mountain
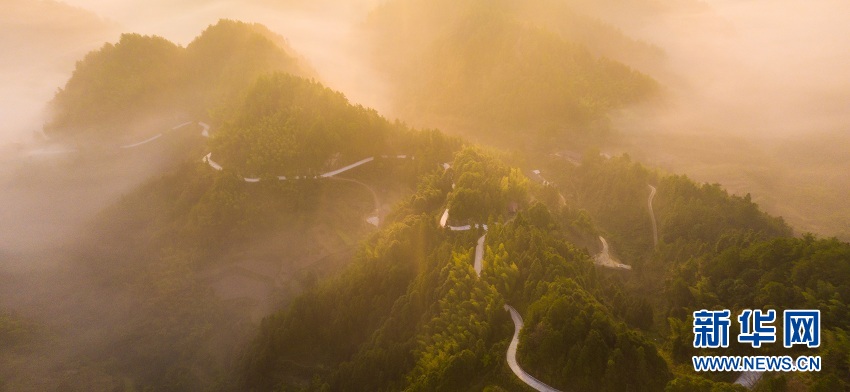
[[714, 250], [195, 223], [147, 77], [288, 126], [178, 270], [411, 314], [484, 68], [311, 244]]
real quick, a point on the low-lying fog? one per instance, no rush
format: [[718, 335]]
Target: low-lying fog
[[758, 90], [759, 101], [43, 40], [769, 69]]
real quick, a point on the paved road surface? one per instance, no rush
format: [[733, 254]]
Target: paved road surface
[[347, 168], [479, 255], [142, 142], [525, 377], [213, 164], [604, 258], [208, 159], [652, 191], [176, 127], [445, 218]]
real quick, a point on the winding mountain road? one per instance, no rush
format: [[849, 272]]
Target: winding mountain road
[[54, 149], [511, 356], [604, 258], [134, 145], [159, 135], [208, 160], [652, 191], [374, 219], [347, 168], [478, 264], [445, 218]]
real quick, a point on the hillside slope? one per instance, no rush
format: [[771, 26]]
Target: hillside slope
[[146, 79]]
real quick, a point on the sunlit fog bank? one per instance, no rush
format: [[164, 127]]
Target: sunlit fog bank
[[757, 68], [758, 93]]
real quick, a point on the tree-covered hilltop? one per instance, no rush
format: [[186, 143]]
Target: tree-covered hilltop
[[485, 67], [142, 77], [411, 314], [137, 75], [230, 55], [289, 126]]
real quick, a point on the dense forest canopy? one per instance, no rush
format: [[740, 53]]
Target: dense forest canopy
[[586, 328], [258, 273], [141, 77], [290, 126]]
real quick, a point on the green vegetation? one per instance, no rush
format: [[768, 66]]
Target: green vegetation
[[198, 215], [485, 187], [577, 345], [147, 76], [166, 251], [408, 311], [137, 72], [411, 314], [290, 126], [716, 251]]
